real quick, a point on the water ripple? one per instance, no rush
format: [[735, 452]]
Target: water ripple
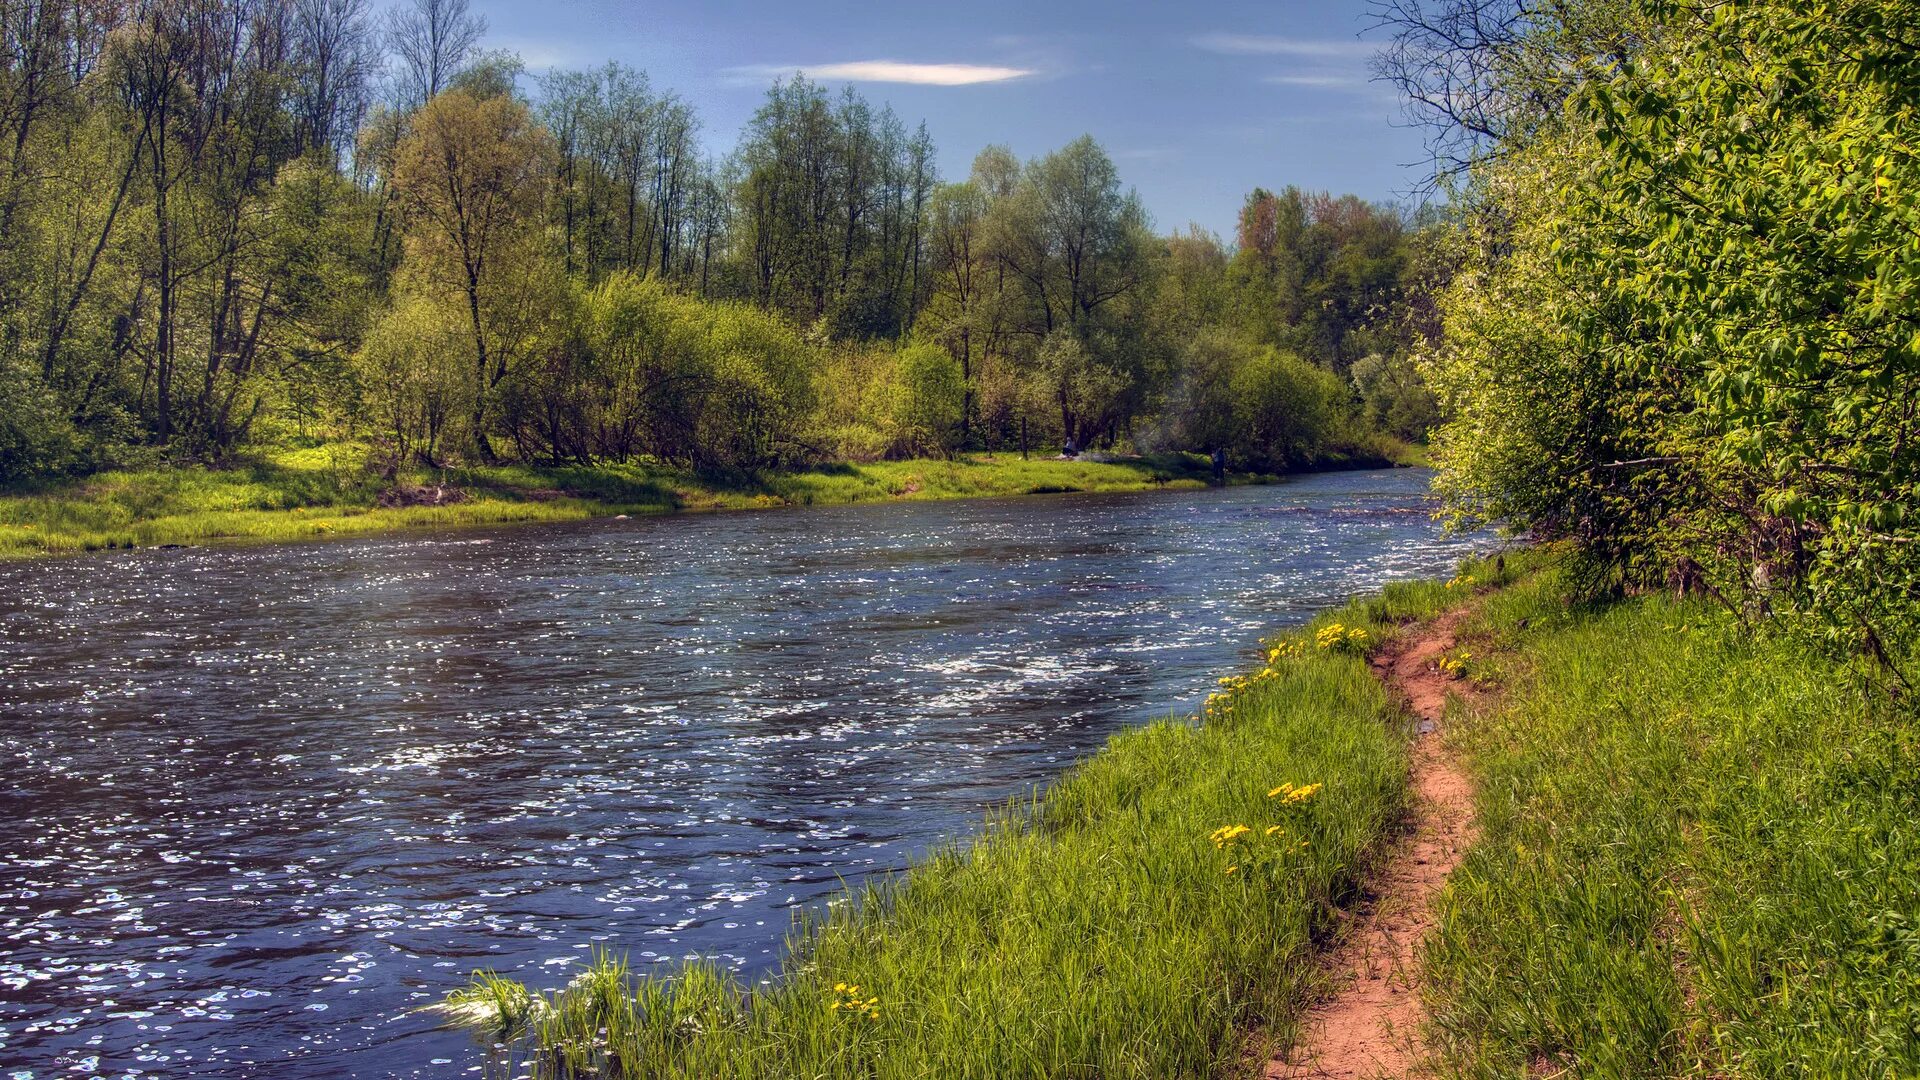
[[264, 800]]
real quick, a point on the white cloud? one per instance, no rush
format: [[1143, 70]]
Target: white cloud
[[1322, 82], [1272, 45], [892, 71]]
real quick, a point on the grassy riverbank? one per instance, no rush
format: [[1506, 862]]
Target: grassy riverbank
[[1159, 902], [1699, 855], [1696, 858], [326, 491]]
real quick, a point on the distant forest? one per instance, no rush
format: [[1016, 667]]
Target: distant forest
[[228, 224]]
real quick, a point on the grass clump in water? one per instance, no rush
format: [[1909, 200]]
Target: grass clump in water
[[1159, 902], [1698, 855]]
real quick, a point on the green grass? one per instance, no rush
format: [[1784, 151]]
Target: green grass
[[325, 491], [1094, 931], [1700, 856]]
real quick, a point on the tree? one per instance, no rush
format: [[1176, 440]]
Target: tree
[[1393, 397], [413, 382], [965, 310], [1287, 410], [336, 54], [1683, 335], [432, 39], [470, 171], [1075, 247], [830, 202]]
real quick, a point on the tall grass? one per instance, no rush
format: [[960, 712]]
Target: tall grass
[[1699, 856], [1120, 925], [326, 491]]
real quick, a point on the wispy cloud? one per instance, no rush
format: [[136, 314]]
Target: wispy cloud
[[1319, 82], [1274, 45], [890, 71]]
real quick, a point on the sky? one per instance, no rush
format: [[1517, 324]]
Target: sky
[[1197, 102]]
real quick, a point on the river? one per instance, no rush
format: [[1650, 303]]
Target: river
[[261, 801]]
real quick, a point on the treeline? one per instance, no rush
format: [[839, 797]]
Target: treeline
[[233, 223], [1685, 333]]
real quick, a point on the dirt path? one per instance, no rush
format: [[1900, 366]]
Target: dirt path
[[1370, 1027]]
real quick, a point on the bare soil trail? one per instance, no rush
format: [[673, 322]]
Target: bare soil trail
[[1370, 1028]]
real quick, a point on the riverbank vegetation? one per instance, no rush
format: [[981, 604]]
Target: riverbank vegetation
[[324, 491], [1138, 919], [1683, 331], [233, 229], [1683, 339], [1697, 855]]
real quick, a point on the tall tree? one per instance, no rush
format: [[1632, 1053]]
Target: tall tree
[[470, 171], [337, 56], [1076, 246], [432, 39]]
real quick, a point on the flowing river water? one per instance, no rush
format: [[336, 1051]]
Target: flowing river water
[[262, 801]]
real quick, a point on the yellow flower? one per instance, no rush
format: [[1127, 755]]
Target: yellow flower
[[1271, 829], [847, 997], [1231, 869], [1227, 834]]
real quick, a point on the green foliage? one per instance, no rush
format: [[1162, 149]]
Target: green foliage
[[1691, 305], [757, 390], [193, 268], [413, 377], [329, 491], [829, 206], [36, 437], [1200, 409], [1393, 397], [1267, 408], [1286, 409], [1323, 276], [929, 400]]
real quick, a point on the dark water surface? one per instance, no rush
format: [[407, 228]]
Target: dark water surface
[[260, 801]]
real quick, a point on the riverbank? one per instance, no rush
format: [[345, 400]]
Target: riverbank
[[326, 491], [1157, 913], [1692, 855], [1698, 853]]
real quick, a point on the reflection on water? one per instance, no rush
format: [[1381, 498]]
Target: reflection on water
[[263, 800]]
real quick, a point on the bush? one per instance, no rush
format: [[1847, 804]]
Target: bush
[[36, 437], [1289, 411], [929, 394]]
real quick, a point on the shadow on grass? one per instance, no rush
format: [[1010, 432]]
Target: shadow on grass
[[630, 486]]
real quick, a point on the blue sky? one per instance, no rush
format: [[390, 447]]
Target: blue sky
[[1197, 102]]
